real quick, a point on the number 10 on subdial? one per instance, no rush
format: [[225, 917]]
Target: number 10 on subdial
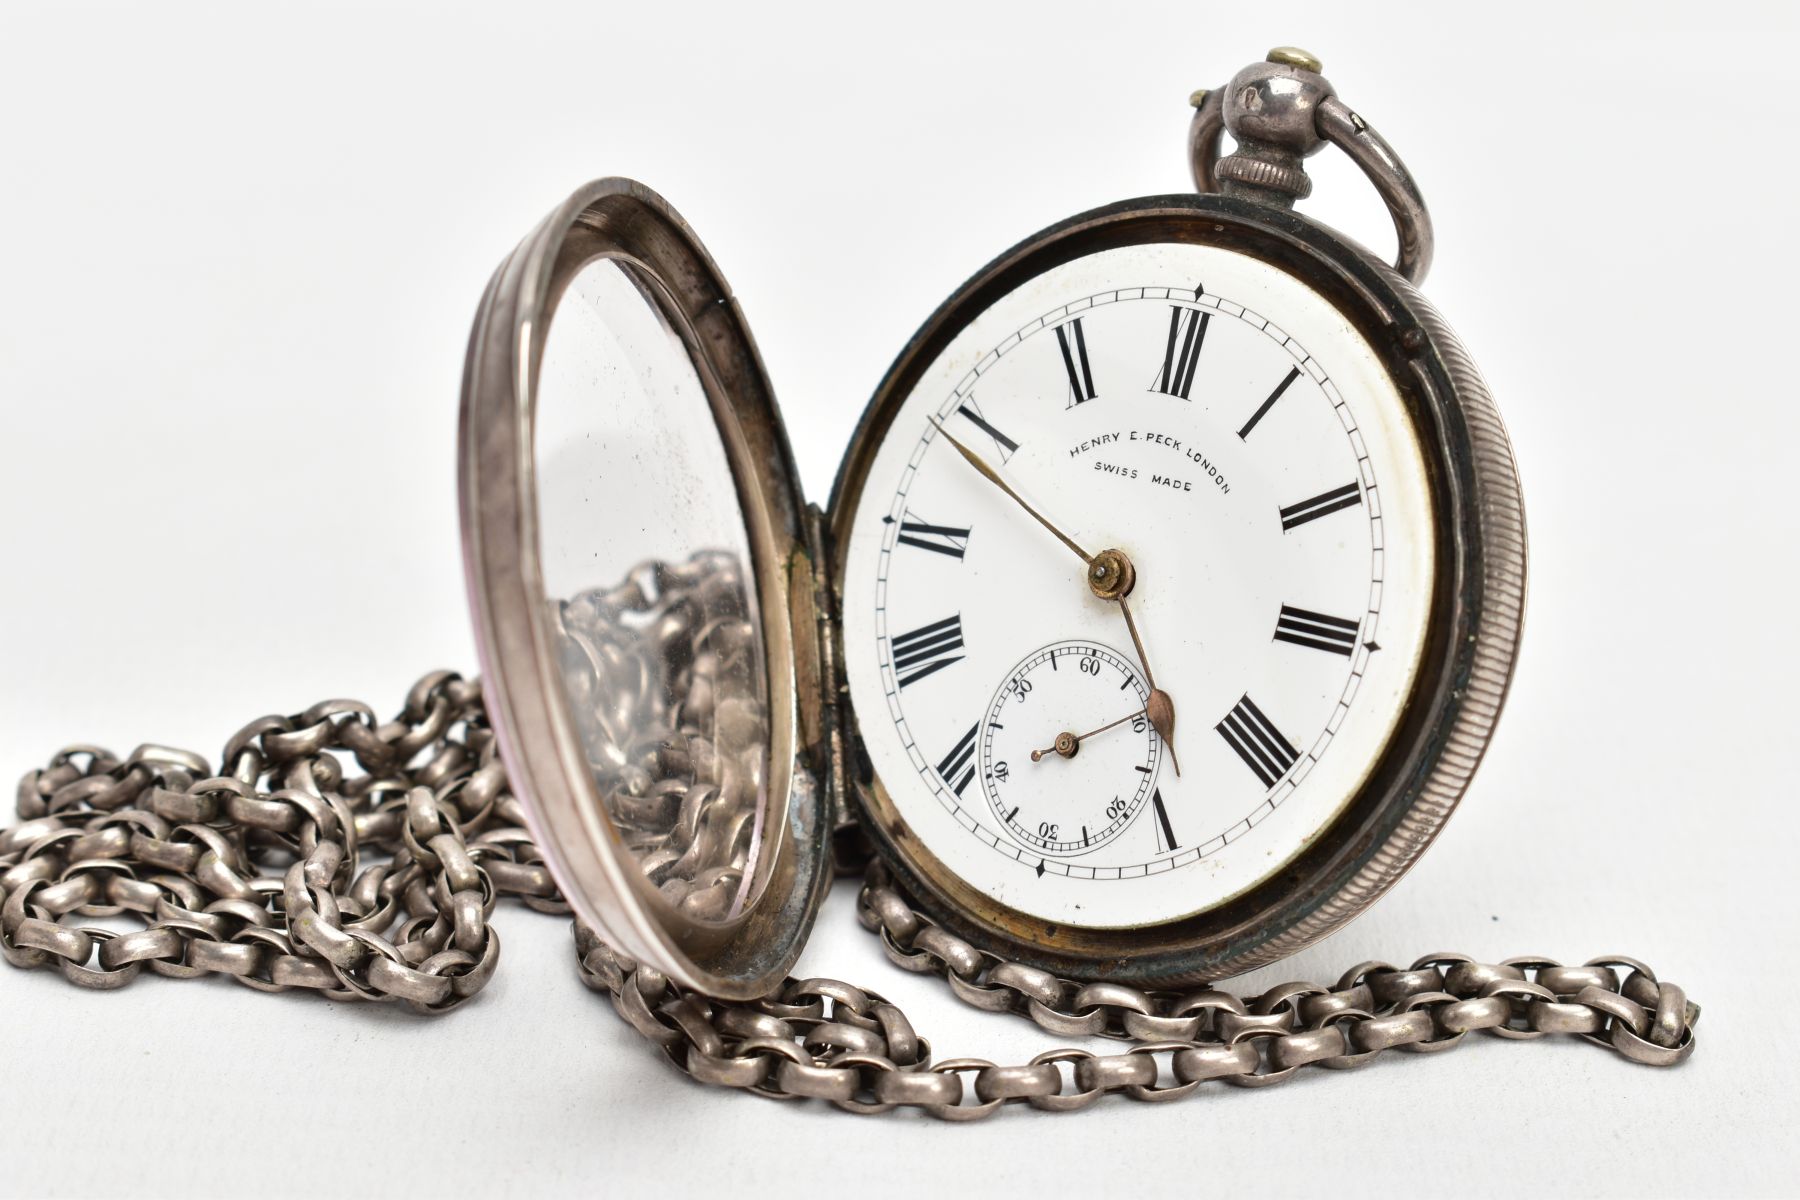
[[1068, 757]]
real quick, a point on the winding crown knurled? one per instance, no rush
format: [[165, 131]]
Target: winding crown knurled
[[1260, 172]]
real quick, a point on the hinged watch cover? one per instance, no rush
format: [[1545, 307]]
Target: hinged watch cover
[[646, 593]]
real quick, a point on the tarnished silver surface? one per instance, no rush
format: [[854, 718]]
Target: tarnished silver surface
[[287, 870], [623, 225], [1282, 110], [1180, 1039]]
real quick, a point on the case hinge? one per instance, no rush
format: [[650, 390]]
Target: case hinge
[[850, 850]]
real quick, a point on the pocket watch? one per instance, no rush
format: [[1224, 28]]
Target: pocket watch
[[1163, 607], [1161, 612]]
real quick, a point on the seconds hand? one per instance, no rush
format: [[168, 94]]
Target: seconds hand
[[1110, 576], [1066, 744]]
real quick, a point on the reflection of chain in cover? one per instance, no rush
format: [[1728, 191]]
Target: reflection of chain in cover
[[664, 678]]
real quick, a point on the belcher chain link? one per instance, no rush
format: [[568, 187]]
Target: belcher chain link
[[197, 855]]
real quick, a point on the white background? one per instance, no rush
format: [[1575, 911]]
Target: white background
[[241, 248]]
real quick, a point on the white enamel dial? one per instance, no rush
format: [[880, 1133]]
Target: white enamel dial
[[1222, 425]]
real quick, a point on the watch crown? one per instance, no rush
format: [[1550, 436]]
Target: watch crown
[[1271, 109]]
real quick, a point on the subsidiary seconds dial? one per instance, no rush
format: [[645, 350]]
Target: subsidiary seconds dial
[[1067, 753]]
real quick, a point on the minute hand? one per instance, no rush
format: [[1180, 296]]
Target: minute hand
[[1110, 576], [993, 477]]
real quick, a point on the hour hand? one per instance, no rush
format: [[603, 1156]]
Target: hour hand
[[1160, 708]]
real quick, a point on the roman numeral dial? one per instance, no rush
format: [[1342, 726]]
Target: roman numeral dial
[[1322, 505], [927, 650], [1005, 445], [957, 768], [1187, 333], [949, 540], [1316, 631], [1254, 738], [1072, 338], [1262, 410], [1164, 831]]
